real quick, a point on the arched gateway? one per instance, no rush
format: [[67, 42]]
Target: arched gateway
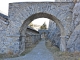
[[21, 14]]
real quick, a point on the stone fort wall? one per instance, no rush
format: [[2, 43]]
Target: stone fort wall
[[70, 23], [73, 40], [3, 26]]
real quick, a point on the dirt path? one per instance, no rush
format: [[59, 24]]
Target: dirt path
[[40, 52]]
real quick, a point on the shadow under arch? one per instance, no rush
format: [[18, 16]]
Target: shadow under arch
[[35, 16]]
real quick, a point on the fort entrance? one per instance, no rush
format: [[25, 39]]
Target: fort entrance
[[23, 13]]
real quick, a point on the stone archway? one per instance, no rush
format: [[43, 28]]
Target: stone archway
[[41, 15], [20, 13]]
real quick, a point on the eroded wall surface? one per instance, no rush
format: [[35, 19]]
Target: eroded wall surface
[[73, 43]]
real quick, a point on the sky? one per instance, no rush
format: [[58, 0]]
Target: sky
[[4, 5], [40, 21]]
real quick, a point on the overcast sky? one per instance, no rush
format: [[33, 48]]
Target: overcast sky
[[40, 21]]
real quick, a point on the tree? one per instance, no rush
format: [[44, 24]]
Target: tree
[[43, 26], [31, 24]]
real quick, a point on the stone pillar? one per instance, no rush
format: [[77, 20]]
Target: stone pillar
[[63, 43]]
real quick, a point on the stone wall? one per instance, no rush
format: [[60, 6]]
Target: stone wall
[[31, 37], [44, 33], [73, 38], [21, 14], [76, 15], [56, 9], [54, 34], [73, 43], [52, 27], [5, 45], [31, 40], [3, 26]]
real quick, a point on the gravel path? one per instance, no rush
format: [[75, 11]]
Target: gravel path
[[40, 52]]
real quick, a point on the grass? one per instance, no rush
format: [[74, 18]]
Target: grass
[[58, 55], [2, 56], [53, 49], [8, 55]]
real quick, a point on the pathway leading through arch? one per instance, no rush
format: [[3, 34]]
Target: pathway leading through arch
[[40, 52]]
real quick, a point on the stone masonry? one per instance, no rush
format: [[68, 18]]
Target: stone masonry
[[54, 34], [64, 14], [21, 14], [73, 43], [3, 26]]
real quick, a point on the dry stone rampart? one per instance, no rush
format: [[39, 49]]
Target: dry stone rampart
[[73, 43]]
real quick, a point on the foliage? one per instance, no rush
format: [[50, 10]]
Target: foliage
[[43, 26], [31, 24]]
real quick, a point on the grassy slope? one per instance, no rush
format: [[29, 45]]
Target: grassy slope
[[58, 55]]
